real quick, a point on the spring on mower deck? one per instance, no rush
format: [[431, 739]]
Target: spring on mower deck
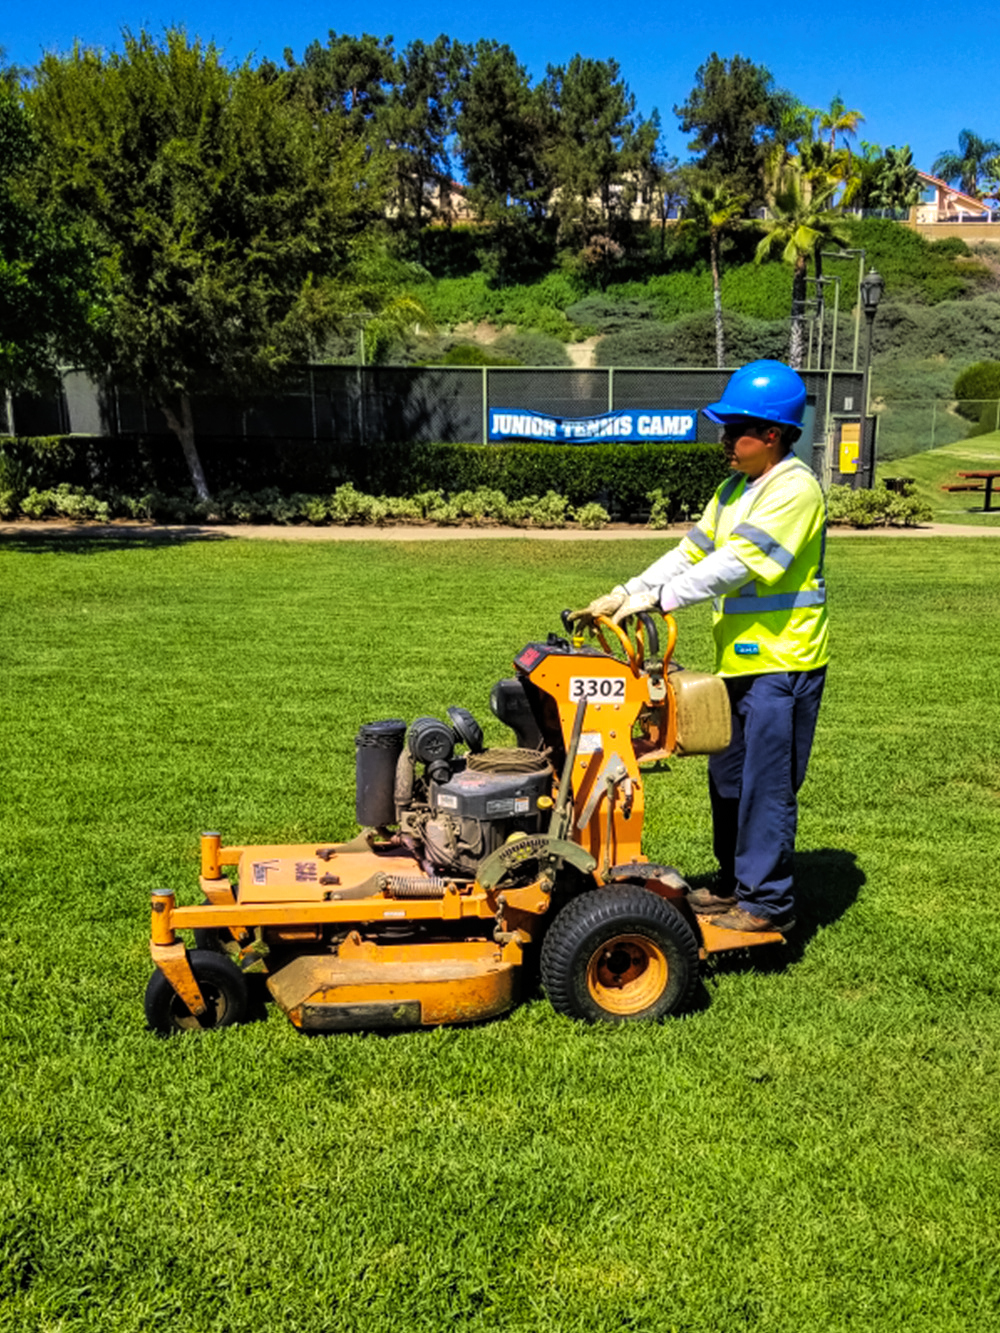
[[416, 886]]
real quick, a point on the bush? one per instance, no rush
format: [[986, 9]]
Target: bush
[[64, 501], [977, 382], [876, 508], [690, 341], [592, 516], [532, 349]]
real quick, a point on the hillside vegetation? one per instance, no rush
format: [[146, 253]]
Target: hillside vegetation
[[940, 313]]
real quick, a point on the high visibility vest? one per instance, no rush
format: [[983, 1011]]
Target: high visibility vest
[[777, 620]]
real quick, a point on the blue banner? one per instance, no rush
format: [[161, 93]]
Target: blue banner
[[630, 426]]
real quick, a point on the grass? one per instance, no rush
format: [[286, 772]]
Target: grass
[[935, 468], [814, 1147]]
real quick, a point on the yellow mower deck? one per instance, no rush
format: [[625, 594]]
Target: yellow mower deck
[[359, 935]]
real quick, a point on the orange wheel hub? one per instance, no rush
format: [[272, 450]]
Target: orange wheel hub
[[627, 974]]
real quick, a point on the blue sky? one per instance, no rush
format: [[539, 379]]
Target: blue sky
[[919, 74]]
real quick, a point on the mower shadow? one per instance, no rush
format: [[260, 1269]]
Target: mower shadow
[[828, 880], [64, 539]]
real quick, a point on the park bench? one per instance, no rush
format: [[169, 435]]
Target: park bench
[[982, 482]]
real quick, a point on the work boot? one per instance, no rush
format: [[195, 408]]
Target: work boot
[[738, 918], [704, 902]]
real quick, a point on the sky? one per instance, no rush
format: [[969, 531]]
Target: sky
[[918, 73]]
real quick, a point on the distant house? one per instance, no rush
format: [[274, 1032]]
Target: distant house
[[942, 202]]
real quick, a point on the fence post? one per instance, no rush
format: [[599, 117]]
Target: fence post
[[611, 388], [997, 427], [486, 399]]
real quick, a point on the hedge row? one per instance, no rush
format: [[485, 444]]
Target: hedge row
[[617, 476]]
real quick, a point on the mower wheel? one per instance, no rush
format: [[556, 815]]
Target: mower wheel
[[223, 988], [619, 955]]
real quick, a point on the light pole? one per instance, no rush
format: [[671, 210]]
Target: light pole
[[872, 287], [851, 254]]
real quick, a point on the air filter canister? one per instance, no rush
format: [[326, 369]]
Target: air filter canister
[[378, 746]]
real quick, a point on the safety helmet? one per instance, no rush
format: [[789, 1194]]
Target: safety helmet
[[767, 390]]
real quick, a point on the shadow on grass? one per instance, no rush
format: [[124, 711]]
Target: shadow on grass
[[62, 539], [827, 882]]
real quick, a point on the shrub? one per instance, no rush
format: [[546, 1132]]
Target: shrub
[[977, 382], [660, 509], [592, 516], [690, 341], [876, 508], [532, 349], [64, 501]]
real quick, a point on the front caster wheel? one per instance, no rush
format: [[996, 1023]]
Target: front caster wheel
[[223, 988], [619, 955]]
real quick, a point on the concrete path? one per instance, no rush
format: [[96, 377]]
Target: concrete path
[[414, 533]]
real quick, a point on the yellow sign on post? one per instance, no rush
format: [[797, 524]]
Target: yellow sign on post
[[850, 446]]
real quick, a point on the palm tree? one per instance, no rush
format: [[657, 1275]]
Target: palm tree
[[839, 120], [714, 210], [968, 164], [802, 222]]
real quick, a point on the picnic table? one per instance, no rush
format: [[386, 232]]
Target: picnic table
[[972, 483]]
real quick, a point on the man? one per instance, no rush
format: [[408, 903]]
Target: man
[[757, 552]]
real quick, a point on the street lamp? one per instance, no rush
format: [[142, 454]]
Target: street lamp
[[860, 255], [872, 287]]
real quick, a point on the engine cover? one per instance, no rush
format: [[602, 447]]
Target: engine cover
[[474, 813], [488, 796]]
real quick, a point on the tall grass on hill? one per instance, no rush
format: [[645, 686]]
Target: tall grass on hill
[[814, 1147]]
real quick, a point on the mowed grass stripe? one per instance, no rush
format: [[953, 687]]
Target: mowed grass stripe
[[814, 1147]]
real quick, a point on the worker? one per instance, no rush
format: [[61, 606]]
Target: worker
[[757, 552]]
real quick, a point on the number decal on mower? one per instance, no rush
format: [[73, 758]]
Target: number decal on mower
[[598, 688]]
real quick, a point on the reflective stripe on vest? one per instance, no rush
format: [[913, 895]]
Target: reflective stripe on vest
[[701, 540], [779, 601], [765, 543]]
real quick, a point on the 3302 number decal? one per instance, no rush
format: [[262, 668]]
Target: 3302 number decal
[[601, 689]]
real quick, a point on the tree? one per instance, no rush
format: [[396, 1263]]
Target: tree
[[350, 75], [714, 210], [802, 221], [734, 111], [47, 300], [897, 184], [229, 221], [598, 147], [416, 124], [505, 128], [839, 120], [969, 164]]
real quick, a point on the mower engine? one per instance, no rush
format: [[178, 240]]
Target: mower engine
[[451, 810]]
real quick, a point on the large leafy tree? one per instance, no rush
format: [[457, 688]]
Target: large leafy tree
[[229, 220], [734, 112], [47, 301], [969, 165]]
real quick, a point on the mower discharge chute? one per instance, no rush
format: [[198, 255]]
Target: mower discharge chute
[[465, 862]]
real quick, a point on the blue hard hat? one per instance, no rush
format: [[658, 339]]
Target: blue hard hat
[[767, 390]]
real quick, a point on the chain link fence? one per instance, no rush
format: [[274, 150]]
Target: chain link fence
[[360, 405], [912, 425]]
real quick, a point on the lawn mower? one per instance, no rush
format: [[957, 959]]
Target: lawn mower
[[471, 862]]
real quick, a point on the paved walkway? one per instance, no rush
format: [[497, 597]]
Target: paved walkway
[[614, 532]]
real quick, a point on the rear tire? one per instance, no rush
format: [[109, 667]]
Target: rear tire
[[619, 955], [223, 988]]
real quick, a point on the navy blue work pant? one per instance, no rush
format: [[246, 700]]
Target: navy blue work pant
[[754, 785]]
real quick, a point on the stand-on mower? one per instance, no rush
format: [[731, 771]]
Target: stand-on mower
[[466, 862]]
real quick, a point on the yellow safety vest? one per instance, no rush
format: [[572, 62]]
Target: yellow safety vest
[[777, 621]]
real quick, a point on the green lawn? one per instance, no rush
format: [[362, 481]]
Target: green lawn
[[937, 467], [815, 1147]]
